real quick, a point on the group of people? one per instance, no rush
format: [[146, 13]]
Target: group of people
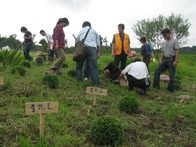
[[137, 73]]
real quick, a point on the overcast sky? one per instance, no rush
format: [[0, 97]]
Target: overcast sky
[[104, 16]]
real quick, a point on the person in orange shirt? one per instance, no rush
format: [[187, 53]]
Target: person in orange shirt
[[120, 47]]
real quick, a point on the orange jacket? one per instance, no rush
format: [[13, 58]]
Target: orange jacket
[[118, 44]]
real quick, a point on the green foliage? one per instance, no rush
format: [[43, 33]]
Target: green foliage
[[11, 41], [7, 85], [64, 65], [51, 80], [151, 28], [26, 64], [106, 130], [177, 84], [11, 57], [44, 44], [72, 73], [129, 104], [21, 70]]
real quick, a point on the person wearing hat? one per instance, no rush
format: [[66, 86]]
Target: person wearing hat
[[27, 43], [168, 59], [59, 44], [137, 75]]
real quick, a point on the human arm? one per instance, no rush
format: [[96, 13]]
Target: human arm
[[176, 58]]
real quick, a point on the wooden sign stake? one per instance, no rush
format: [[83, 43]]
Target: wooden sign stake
[[41, 108], [94, 100], [41, 125]]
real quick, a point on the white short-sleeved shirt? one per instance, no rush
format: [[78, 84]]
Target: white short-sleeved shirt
[[49, 39], [137, 69]]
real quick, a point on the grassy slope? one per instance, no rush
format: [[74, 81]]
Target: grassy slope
[[163, 119]]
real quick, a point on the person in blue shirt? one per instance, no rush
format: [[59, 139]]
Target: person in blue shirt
[[146, 51]]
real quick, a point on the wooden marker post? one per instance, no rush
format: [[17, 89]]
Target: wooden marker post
[[72, 68], [1, 64], [1, 81], [41, 108], [96, 91]]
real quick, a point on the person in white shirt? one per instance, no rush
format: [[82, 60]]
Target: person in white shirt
[[92, 49], [50, 45], [137, 75]]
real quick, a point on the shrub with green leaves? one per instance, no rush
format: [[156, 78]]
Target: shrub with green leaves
[[177, 84], [65, 65], [51, 80], [129, 104], [26, 64], [107, 130], [20, 70], [72, 73], [11, 57]]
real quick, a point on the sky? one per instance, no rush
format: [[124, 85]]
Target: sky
[[104, 16]]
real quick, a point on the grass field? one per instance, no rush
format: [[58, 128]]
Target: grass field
[[163, 119]]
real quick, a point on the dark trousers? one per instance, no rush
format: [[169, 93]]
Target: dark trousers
[[165, 64], [142, 83], [146, 60], [120, 58], [27, 48]]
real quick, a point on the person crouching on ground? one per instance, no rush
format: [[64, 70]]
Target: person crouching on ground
[[137, 75], [111, 71]]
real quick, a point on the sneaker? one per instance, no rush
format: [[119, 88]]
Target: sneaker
[[85, 79]]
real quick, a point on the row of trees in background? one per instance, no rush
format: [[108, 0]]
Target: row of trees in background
[[150, 28]]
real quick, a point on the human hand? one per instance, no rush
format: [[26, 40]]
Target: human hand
[[175, 63]]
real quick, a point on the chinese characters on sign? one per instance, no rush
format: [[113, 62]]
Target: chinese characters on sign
[[96, 90], [41, 107], [48, 73]]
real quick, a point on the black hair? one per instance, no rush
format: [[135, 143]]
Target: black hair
[[86, 23], [122, 26], [143, 39], [23, 29], [64, 20], [137, 59], [165, 31], [42, 31]]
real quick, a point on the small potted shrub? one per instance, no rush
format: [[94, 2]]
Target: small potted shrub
[[21, 70], [129, 104], [26, 64], [106, 130], [51, 80]]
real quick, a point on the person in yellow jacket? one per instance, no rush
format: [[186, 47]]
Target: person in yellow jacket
[[121, 47]]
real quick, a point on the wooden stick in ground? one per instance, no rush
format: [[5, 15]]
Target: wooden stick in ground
[[94, 100], [41, 125]]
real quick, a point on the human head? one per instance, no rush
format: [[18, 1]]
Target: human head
[[86, 23], [136, 60], [23, 29], [63, 21], [42, 32], [166, 33], [121, 28], [143, 40]]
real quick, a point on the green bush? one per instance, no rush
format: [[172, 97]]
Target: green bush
[[64, 65], [11, 57], [21, 71], [51, 80], [72, 73], [26, 64], [177, 84], [106, 130], [129, 104]]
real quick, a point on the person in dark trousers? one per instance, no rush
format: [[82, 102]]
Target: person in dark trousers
[[146, 51], [27, 43], [168, 59], [120, 47], [92, 44], [137, 75]]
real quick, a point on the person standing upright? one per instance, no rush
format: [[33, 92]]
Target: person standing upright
[[168, 59], [120, 47], [92, 44], [27, 43], [59, 44], [50, 45], [146, 51]]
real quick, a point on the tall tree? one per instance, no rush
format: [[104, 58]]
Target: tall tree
[[151, 29]]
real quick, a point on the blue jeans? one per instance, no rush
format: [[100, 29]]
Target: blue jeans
[[165, 64], [91, 61], [27, 48]]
